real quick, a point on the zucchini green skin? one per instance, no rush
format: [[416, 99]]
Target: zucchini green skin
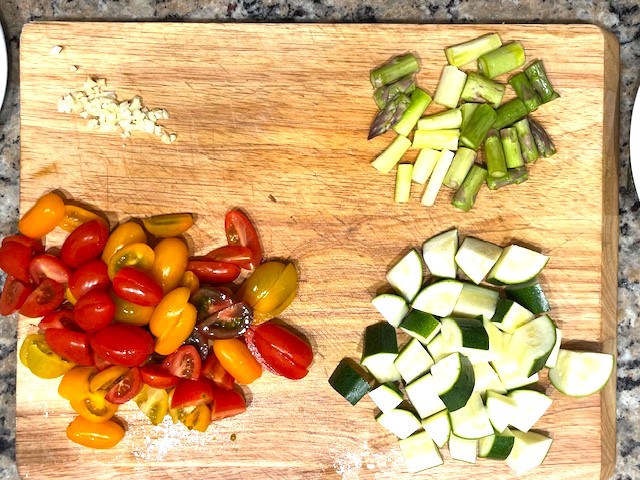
[[379, 338], [348, 382], [501, 447], [529, 295], [474, 334], [458, 395]]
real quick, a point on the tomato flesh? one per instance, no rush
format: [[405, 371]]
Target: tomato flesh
[[48, 266], [214, 371], [69, 344], [120, 344], [94, 310], [126, 388], [241, 232], [235, 254], [44, 299], [191, 393], [14, 294], [85, 243], [184, 363], [137, 287]]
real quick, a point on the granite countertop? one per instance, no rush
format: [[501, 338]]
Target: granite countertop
[[622, 17]]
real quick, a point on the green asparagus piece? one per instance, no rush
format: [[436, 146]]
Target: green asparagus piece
[[390, 115], [460, 166], [527, 143], [394, 70], [420, 100], [525, 91], [514, 176], [467, 110], [438, 139], [450, 86], [509, 113], [501, 60], [478, 126], [546, 148], [463, 53], [385, 94], [466, 195], [494, 155], [540, 82], [440, 121], [478, 88], [511, 147], [392, 154]]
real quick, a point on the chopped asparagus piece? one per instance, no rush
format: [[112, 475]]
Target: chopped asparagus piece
[[463, 53], [450, 86], [465, 197], [420, 100], [392, 155], [435, 182], [514, 176], [467, 110], [385, 94], [525, 91], [403, 182], [460, 166], [501, 60], [511, 147], [438, 139], [540, 82], [390, 115], [496, 163], [479, 88], [545, 146], [509, 113], [424, 165], [394, 70], [527, 143], [479, 125], [442, 121]]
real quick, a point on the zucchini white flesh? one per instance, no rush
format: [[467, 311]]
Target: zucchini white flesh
[[348, 382], [439, 254], [476, 258], [517, 265], [530, 296], [406, 275], [379, 351], [392, 154], [438, 426], [436, 348], [579, 374], [464, 449], [486, 379], [476, 301], [424, 165], [500, 409], [530, 406], [534, 341], [420, 452], [464, 335], [497, 446], [424, 397], [403, 182], [438, 298], [529, 450], [386, 396], [420, 325], [508, 367], [400, 422], [471, 421], [495, 341], [454, 380], [413, 361], [553, 357], [435, 182], [510, 315], [392, 307]]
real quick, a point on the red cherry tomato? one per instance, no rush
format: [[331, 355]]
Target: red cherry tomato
[[100, 363], [210, 271], [227, 403], [74, 346], [120, 344], [214, 371], [34, 244], [191, 393], [48, 266], [44, 299], [156, 376], [126, 388], [85, 243], [237, 255], [185, 363], [137, 287], [280, 350], [15, 259], [241, 232], [95, 310], [61, 318], [91, 275], [14, 294]]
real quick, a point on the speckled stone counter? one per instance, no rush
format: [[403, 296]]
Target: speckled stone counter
[[620, 17]]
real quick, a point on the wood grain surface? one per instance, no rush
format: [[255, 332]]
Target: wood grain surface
[[273, 119]]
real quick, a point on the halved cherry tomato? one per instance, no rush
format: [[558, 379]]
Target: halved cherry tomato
[[127, 312], [48, 266], [35, 244], [91, 275], [85, 243], [227, 323], [44, 299], [184, 363], [169, 225], [121, 383], [37, 356], [156, 376], [93, 406], [170, 263], [137, 287], [236, 359], [121, 344], [61, 318], [14, 294], [15, 259], [200, 342], [191, 393], [198, 419], [74, 216], [190, 280], [95, 435], [101, 363], [75, 383], [95, 310], [227, 403], [69, 344], [153, 402], [270, 289], [138, 255], [125, 234], [280, 350], [172, 321], [209, 300], [43, 217], [214, 371], [240, 256], [210, 271], [241, 232]]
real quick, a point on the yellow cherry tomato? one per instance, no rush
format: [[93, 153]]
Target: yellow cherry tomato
[[127, 312], [43, 217], [237, 359], [173, 320], [170, 225], [153, 402], [257, 286], [191, 281], [138, 255], [74, 216], [124, 234], [93, 406], [36, 355], [198, 419], [170, 263], [75, 383], [95, 435]]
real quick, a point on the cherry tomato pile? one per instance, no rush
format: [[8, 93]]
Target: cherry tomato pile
[[129, 315]]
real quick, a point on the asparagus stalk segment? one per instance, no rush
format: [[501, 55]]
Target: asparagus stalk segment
[[478, 126], [438, 139], [403, 182], [479, 88], [435, 182], [540, 82], [501, 60], [494, 155], [514, 176], [394, 70], [441, 121], [450, 86], [463, 53], [392, 155], [390, 115], [460, 166], [385, 94], [424, 165], [511, 147], [465, 196], [525, 91], [467, 110], [527, 143], [545, 146], [509, 113], [420, 100]]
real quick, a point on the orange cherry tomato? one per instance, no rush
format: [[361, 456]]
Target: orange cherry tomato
[[75, 383], [170, 263], [43, 217], [198, 419], [169, 225], [138, 255], [127, 312], [94, 407], [125, 234], [74, 216], [236, 359], [95, 435], [173, 320], [191, 281]]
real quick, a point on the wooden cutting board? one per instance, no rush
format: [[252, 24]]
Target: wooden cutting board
[[273, 119]]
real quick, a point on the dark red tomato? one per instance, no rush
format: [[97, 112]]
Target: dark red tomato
[[156, 376], [15, 259], [227, 403], [85, 243], [72, 345], [280, 350], [44, 299], [137, 287], [91, 275], [191, 393], [14, 294], [61, 318], [120, 344], [48, 266], [185, 363], [128, 387], [210, 271], [95, 310], [235, 254], [34, 244], [241, 232], [214, 371]]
